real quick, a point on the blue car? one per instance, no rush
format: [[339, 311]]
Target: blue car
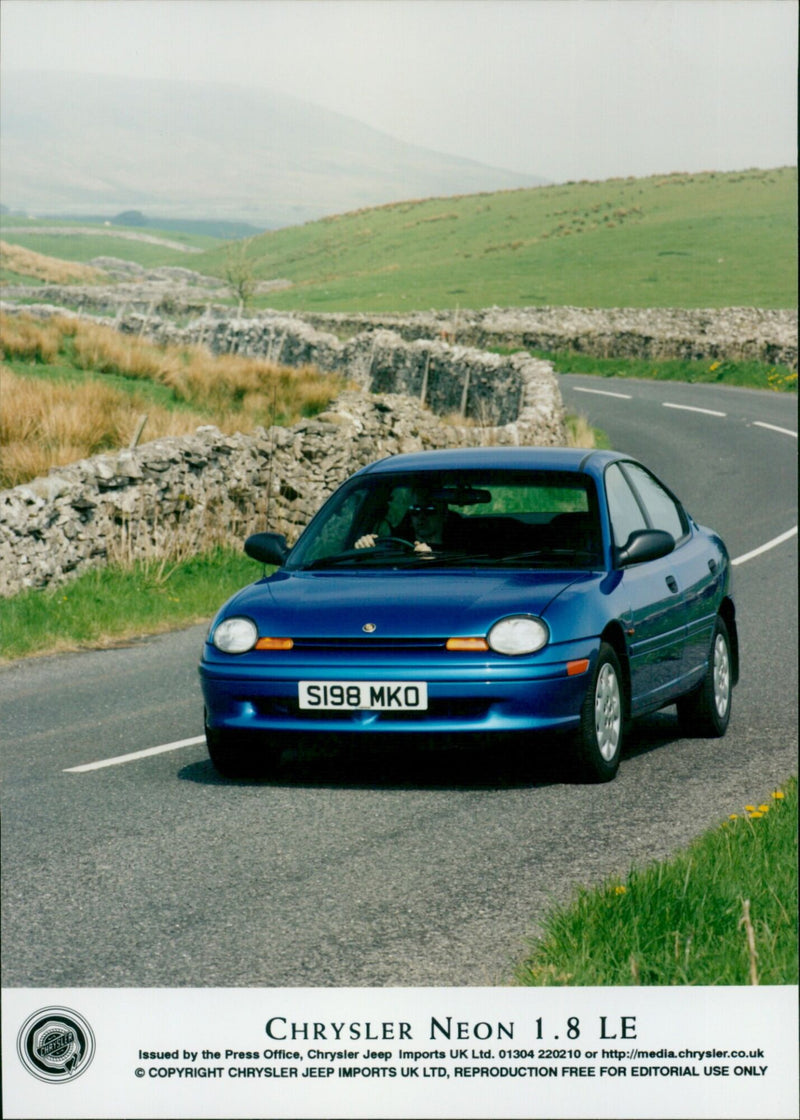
[[478, 591]]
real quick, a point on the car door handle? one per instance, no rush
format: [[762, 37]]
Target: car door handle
[[672, 583]]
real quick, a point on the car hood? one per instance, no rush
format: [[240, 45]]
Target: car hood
[[396, 604]]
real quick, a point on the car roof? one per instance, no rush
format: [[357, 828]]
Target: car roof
[[498, 458]]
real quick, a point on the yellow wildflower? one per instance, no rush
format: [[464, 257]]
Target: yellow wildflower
[[779, 795]]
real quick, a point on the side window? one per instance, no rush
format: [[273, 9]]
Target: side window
[[661, 506], [625, 513]]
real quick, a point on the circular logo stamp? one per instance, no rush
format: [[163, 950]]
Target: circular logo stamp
[[55, 1044]]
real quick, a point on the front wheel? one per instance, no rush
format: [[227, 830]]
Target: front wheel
[[706, 712], [599, 740]]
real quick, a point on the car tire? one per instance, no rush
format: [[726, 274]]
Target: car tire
[[706, 712], [602, 724], [240, 756]]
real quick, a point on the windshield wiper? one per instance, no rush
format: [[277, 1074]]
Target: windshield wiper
[[389, 558], [378, 556], [550, 556]]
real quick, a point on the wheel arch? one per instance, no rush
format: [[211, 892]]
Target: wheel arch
[[615, 636], [727, 612]]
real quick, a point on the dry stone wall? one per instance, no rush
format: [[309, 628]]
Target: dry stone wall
[[179, 493], [716, 334], [482, 387]]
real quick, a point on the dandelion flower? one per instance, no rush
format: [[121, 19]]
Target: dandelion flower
[[755, 815], [750, 808], [733, 817], [779, 795], [763, 808], [620, 890]]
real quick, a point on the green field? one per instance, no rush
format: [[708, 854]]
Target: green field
[[704, 240], [108, 241]]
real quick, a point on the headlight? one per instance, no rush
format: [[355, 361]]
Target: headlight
[[235, 635], [519, 634]]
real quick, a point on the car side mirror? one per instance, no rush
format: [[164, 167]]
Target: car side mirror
[[643, 545], [267, 548]]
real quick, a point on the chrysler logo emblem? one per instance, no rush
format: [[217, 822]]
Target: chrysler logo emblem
[[369, 627]]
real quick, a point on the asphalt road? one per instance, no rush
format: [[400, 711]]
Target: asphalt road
[[379, 869]]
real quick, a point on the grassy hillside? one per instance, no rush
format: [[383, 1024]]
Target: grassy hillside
[[682, 240]]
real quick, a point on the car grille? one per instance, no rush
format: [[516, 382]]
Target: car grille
[[364, 645]]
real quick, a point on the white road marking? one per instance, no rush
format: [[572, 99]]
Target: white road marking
[[693, 408], [603, 393], [766, 547], [774, 428], [118, 761]]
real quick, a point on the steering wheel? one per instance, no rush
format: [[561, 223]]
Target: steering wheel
[[383, 542]]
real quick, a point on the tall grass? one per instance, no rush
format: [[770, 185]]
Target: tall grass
[[27, 262], [36, 340], [45, 424], [723, 911], [72, 388]]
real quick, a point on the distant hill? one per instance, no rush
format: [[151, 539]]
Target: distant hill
[[81, 145]]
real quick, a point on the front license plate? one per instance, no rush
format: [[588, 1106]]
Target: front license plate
[[376, 696]]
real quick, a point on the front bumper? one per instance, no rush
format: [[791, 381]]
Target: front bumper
[[258, 693]]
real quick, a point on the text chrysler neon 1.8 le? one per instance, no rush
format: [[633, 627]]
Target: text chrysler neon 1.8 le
[[528, 590]]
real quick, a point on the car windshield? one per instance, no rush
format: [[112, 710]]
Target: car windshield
[[487, 518]]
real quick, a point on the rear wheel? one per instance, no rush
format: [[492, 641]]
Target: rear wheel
[[599, 741], [706, 712], [240, 756]]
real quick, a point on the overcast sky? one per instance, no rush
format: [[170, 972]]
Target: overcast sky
[[563, 89]]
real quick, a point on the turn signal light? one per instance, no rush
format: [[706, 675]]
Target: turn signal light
[[467, 644], [575, 668], [274, 643]]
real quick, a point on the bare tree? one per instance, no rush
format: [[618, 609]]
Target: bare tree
[[239, 273]]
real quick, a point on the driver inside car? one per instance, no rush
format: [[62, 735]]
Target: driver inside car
[[428, 520]]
